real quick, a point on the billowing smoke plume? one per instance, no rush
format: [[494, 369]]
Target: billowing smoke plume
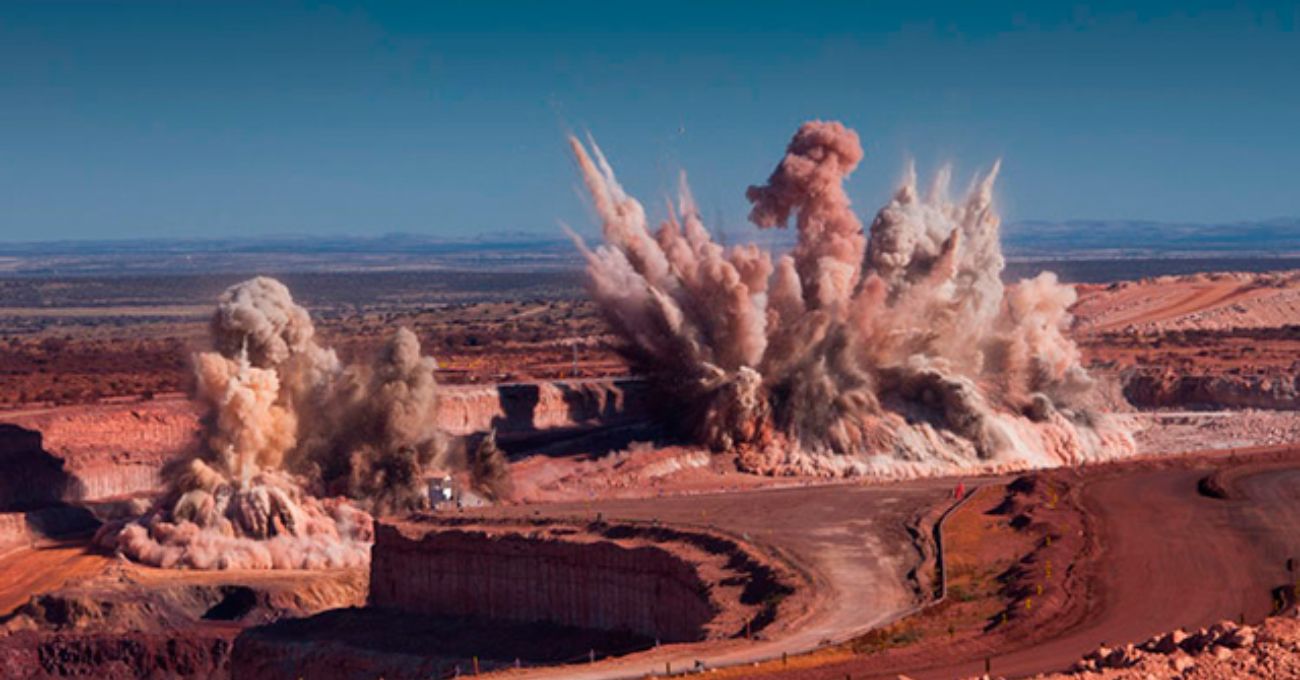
[[893, 352], [290, 431]]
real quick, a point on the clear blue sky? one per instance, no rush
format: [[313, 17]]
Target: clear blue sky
[[232, 119]]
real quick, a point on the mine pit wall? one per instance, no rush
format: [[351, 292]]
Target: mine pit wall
[[24, 529], [597, 585], [85, 453], [102, 451], [523, 407], [29, 476], [14, 532], [1164, 390], [107, 481]]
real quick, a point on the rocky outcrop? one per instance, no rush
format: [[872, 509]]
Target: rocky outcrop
[[1166, 389], [1224, 650], [14, 532]]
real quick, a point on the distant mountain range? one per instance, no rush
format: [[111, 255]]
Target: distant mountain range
[[1025, 240], [281, 254], [1130, 238], [386, 243]]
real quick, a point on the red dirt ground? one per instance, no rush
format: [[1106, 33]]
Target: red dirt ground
[[1158, 554], [1154, 553]]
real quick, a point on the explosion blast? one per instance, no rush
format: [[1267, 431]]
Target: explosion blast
[[289, 430], [897, 352]]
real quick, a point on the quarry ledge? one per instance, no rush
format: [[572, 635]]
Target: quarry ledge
[[672, 584]]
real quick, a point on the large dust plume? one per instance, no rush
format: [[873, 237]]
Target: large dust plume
[[294, 442], [897, 351]]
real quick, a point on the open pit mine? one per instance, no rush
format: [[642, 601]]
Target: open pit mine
[[867, 457]]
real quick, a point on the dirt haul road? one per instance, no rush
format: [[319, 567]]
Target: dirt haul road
[[1169, 557], [851, 540]]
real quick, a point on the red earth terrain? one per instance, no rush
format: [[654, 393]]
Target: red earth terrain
[[1137, 549]]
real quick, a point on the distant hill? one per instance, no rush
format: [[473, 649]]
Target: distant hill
[[387, 243], [1031, 240], [1132, 238], [280, 254]]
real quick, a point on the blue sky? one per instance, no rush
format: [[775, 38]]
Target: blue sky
[[229, 119]]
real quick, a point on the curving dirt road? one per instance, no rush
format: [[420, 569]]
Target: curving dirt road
[[851, 540], [1169, 557], [1173, 558]]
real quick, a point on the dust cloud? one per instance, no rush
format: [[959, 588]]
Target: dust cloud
[[299, 448], [891, 351]]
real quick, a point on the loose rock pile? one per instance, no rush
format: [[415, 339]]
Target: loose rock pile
[[1224, 650]]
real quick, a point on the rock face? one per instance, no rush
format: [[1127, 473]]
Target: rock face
[[451, 592], [522, 407], [109, 450], [20, 529], [593, 584], [1157, 389], [82, 453], [32, 485], [30, 477]]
